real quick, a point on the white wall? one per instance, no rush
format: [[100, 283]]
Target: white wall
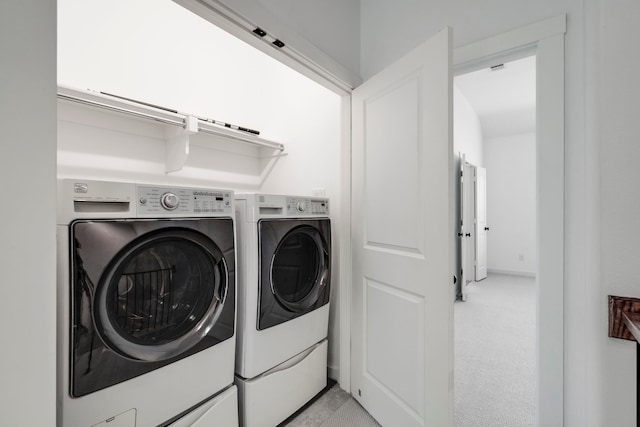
[[158, 52], [467, 130], [175, 59], [332, 25], [617, 114], [27, 246], [326, 32], [511, 203]]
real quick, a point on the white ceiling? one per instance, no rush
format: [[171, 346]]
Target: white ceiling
[[505, 99]]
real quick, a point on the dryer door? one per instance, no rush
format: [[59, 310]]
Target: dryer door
[[295, 269]]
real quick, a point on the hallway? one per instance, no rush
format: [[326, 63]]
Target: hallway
[[494, 352]]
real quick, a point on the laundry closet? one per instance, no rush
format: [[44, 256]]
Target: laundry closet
[[253, 125]]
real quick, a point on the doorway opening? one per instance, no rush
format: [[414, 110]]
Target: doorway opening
[[496, 248]]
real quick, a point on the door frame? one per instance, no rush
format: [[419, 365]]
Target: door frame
[[546, 40]]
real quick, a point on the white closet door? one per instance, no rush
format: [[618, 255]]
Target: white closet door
[[467, 249], [402, 351], [481, 223], [469, 215]]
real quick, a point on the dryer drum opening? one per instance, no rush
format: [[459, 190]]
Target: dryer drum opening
[[299, 268]]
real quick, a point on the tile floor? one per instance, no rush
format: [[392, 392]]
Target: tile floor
[[331, 408]]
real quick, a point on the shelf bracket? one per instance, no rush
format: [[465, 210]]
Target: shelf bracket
[[177, 144]]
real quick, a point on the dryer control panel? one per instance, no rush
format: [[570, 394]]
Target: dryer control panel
[[307, 206], [182, 201]]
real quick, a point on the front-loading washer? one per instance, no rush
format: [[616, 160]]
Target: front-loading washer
[[284, 273], [146, 304]]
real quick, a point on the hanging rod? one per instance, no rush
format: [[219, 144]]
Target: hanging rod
[[98, 100], [176, 122]]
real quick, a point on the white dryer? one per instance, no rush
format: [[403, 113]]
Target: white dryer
[[146, 305], [284, 260]]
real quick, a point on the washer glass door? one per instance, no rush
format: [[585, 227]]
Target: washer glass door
[[161, 294]]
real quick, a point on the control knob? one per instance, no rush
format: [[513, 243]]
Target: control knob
[[169, 201], [300, 206]]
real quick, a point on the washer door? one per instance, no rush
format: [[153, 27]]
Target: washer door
[[295, 265], [146, 293], [161, 294]]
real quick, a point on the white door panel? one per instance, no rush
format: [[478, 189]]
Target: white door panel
[[402, 351], [391, 174], [384, 342], [461, 230], [469, 221], [481, 223]]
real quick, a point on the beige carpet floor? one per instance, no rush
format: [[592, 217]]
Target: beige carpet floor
[[494, 345]]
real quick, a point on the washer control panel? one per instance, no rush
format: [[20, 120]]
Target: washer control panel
[[182, 201], [307, 206]]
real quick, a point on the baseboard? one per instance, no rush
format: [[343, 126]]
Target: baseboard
[[333, 372], [511, 272]]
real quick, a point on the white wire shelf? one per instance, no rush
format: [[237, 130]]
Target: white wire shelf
[[185, 125]]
